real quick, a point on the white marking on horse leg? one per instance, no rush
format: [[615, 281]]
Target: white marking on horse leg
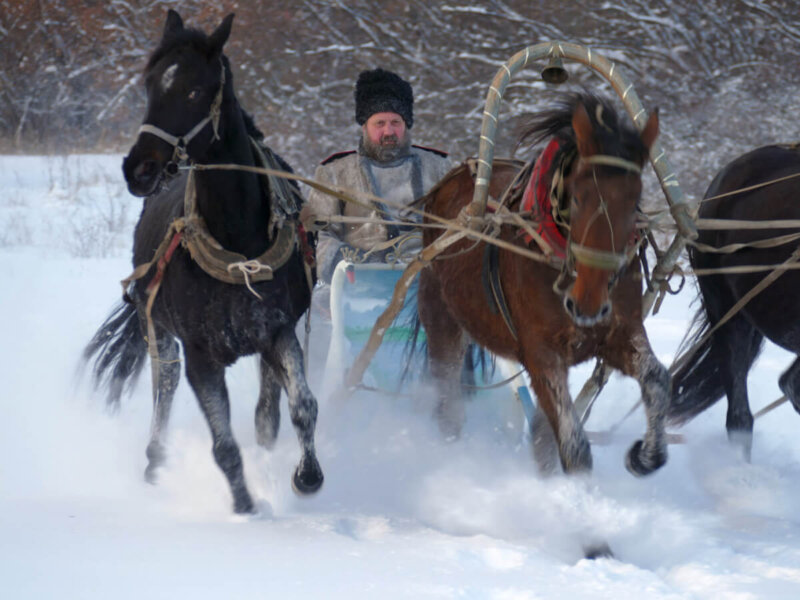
[[654, 383], [302, 404], [308, 476]]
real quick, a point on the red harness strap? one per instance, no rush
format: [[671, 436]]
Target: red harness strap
[[162, 262], [536, 199]]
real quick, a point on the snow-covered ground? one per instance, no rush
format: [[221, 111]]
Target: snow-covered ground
[[401, 515]]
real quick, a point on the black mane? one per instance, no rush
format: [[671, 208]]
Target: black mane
[[616, 136]]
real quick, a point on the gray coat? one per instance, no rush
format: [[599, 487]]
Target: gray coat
[[401, 181]]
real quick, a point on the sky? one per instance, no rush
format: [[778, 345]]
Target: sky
[[402, 514]]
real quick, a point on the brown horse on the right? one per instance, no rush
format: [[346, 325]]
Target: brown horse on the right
[[595, 311]]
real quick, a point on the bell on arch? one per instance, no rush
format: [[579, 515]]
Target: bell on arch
[[555, 72]]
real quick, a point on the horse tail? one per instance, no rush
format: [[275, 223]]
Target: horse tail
[[697, 383], [476, 359], [119, 351], [416, 343]]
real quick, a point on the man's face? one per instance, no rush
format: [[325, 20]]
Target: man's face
[[386, 130]]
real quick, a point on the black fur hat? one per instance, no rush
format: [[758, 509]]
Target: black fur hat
[[383, 91]]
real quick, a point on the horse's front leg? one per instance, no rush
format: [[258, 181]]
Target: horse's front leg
[[287, 361], [268, 414], [169, 372], [650, 453], [207, 379], [549, 380]]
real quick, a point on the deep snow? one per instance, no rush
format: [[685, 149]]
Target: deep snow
[[401, 515]]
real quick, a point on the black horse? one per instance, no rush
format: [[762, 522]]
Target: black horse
[[720, 365], [193, 114]]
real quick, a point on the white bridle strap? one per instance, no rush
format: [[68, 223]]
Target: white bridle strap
[[613, 161], [599, 259], [183, 140], [171, 139]]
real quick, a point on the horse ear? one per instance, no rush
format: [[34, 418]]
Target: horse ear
[[174, 23], [650, 131], [220, 35], [584, 131]]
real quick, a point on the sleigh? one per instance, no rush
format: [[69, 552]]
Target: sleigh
[[359, 294], [471, 225]]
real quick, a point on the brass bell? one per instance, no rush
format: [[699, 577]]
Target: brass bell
[[555, 72]]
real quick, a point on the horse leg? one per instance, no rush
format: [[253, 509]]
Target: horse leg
[[649, 454], [739, 343], [169, 375], [552, 392], [544, 444], [268, 412], [287, 358], [447, 345], [790, 384], [446, 354], [207, 379]]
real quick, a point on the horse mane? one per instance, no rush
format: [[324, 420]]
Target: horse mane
[[615, 136]]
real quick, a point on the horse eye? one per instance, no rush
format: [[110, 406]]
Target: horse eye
[[194, 95]]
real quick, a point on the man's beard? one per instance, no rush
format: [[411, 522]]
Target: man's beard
[[389, 147]]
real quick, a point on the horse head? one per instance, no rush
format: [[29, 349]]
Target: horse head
[[605, 186], [185, 78]]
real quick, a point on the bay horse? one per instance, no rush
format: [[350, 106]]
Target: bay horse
[[599, 314], [720, 364], [193, 114]]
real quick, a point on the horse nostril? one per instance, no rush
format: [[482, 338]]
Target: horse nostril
[[145, 170], [569, 305], [605, 310]]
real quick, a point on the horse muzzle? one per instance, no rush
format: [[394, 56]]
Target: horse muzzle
[[142, 174], [583, 319]]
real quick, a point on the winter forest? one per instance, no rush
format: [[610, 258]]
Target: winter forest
[[401, 514], [722, 73]]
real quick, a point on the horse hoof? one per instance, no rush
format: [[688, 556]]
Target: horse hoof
[[244, 505], [151, 474], [639, 464], [743, 442], [597, 550], [451, 417], [307, 478], [156, 456]]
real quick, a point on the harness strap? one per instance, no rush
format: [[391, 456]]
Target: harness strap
[[494, 287], [599, 259], [613, 161], [163, 260]]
